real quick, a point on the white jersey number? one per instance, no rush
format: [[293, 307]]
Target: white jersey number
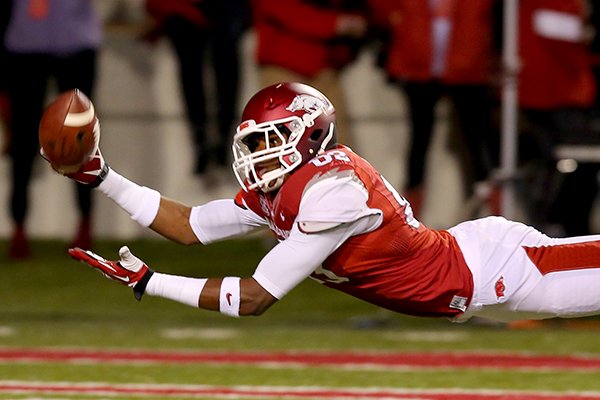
[[328, 157]]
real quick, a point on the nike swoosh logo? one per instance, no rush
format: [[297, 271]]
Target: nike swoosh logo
[[121, 278], [124, 279], [228, 298]]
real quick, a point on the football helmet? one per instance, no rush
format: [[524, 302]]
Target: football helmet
[[283, 127]]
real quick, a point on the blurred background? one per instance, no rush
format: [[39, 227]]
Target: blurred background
[[146, 134], [425, 90]]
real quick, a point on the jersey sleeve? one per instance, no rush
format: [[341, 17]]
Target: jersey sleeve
[[294, 259], [221, 219], [335, 200]]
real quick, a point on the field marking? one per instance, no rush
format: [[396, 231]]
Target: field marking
[[345, 360], [228, 334], [201, 333], [7, 330], [279, 392], [427, 336]]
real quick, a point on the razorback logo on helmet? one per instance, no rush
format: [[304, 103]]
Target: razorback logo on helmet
[[307, 103]]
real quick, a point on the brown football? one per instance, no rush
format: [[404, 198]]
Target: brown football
[[69, 131]]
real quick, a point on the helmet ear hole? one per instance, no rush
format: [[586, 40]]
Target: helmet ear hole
[[316, 134]]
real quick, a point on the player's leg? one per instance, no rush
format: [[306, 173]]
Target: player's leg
[[473, 107], [422, 99], [521, 273], [26, 92], [189, 43], [474, 113], [570, 277], [225, 49], [566, 294]]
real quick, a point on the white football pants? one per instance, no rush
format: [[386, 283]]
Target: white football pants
[[520, 273]]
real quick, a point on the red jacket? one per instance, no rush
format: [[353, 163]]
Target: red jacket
[[470, 52], [555, 73], [300, 36]]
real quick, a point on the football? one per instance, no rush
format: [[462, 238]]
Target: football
[[69, 131]]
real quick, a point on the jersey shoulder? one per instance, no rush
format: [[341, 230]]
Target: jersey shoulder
[[332, 163], [252, 200], [328, 184]]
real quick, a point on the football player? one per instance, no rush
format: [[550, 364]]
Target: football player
[[340, 222]]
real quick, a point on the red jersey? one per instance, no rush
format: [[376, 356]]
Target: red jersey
[[401, 265]]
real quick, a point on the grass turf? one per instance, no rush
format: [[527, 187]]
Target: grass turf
[[53, 301]]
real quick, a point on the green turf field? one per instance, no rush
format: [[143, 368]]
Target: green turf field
[[53, 303]]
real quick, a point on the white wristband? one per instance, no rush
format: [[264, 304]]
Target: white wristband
[[140, 202], [229, 296], [178, 288]]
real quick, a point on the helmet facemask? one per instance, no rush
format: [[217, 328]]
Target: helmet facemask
[[280, 139]]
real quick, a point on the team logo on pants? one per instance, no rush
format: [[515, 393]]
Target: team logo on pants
[[500, 288]]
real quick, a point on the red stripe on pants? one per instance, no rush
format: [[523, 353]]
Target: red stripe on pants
[[565, 257]]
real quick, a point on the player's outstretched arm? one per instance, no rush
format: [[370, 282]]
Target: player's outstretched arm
[[146, 206], [232, 296], [70, 138]]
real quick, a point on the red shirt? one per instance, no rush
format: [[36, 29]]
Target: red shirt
[[402, 265], [300, 36], [470, 49], [555, 73]]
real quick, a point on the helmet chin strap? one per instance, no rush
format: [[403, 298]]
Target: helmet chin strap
[[271, 183], [328, 138]]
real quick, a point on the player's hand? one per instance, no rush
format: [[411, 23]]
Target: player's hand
[[91, 173], [130, 270]]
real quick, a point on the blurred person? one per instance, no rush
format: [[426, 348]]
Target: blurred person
[[5, 10], [594, 21], [205, 33], [574, 214], [311, 41], [444, 49], [557, 91], [46, 41], [340, 222]]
